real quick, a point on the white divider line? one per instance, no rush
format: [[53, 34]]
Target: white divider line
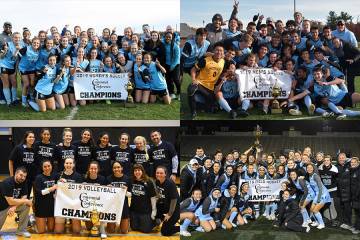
[[72, 114]]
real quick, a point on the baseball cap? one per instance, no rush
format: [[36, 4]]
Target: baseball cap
[[193, 161], [340, 21], [269, 19], [7, 24]]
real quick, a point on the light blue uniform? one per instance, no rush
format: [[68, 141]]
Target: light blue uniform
[[346, 36], [9, 59], [311, 194], [230, 89], [196, 53], [325, 196], [139, 83], [192, 207], [109, 69], [43, 58], [95, 66], [225, 184], [46, 83], [206, 217], [264, 61], [157, 80], [61, 86], [175, 59], [29, 60], [332, 92]]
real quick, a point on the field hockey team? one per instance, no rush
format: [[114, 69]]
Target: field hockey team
[[321, 61], [146, 171], [47, 64], [317, 190]]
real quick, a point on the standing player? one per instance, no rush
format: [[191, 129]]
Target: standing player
[[163, 153], [141, 155], [102, 154], [60, 87], [44, 149], [64, 150], [84, 151], [123, 153]]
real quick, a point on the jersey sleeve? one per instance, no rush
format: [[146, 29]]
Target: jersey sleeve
[[172, 191], [7, 190], [186, 51], [14, 156], [201, 63], [151, 189]]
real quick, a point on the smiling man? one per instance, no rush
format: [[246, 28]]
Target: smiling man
[[344, 34]]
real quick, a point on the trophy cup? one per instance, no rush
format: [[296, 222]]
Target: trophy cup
[[275, 106], [257, 133], [130, 100], [95, 220]]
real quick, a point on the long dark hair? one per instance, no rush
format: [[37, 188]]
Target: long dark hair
[[100, 136], [91, 140], [26, 134]]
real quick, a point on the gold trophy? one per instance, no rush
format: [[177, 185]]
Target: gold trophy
[[95, 220], [258, 132], [275, 106], [130, 100]]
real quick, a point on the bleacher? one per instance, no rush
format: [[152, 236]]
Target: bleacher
[[271, 143]]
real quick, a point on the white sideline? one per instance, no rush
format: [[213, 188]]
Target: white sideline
[[72, 114]]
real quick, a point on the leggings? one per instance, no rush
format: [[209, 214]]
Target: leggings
[[173, 77]]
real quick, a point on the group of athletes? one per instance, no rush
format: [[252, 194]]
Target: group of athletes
[[321, 61], [47, 63], [215, 190], [147, 172]]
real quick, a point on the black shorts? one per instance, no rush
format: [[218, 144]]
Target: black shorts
[[159, 93], [44, 212], [346, 101], [143, 89], [7, 71], [41, 96], [70, 89], [27, 72], [125, 212], [233, 102]]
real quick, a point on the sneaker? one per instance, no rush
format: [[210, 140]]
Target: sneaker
[[341, 117], [355, 231], [245, 221], [311, 109], [223, 226], [2, 102], [314, 224], [320, 226], [295, 112], [305, 224], [309, 221], [103, 236], [265, 111], [307, 228], [199, 229], [172, 96], [185, 234], [243, 113], [24, 234], [345, 226], [272, 217], [193, 115], [233, 114], [234, 225], [326, 114]]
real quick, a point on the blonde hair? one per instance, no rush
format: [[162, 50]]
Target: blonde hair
[[66, 130], [143, 140]]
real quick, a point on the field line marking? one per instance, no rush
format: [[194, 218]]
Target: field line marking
[[303, 118], [72, 114]]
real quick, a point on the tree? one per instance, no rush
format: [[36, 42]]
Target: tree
[[333, 18]]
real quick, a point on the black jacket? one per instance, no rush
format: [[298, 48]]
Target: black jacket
[[355, 187], [187, 183], [343, 182], [224, 203], [350, 52], [289, 211]]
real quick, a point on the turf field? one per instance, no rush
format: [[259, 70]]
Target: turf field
[[98, 111], [263, 230], [255, 114]]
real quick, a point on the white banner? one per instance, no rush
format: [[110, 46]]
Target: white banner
[[97, 86], [261, 190], [258, 83], [75, 200]]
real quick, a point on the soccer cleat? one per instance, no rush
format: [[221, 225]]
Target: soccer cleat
[[108, 102], [341, 117], [320, 226], [234, 225], [295, 112], [2, 102], [307, 229], [223, 226], [199, 229], [272, 217], [326, 114], [185, 234], [311, 109], [345, 226], [193, 115], [314, 224], [355, 231], [233, 114]]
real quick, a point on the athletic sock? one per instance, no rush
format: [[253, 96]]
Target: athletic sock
[[185, 224], [7, 95], [320, 110], [273, 208], [319, 218], [305, 214], [13, 93], [351, 113], [232, 216], [267, 210], [23, 99], [307, 101], [224, 104], [333, 108], [245, 104]]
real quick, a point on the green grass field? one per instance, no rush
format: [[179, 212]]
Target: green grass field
[[98, 111], [263, 230], [255, 114]]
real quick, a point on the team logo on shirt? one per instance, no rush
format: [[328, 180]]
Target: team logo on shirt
[[16, 192], [28, 157], [138, 190], [159, 154]]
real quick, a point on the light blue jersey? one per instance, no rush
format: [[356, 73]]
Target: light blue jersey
[[9, 60], [83, 65], [43, 57], [325, 197], [332, 92], [301, 45], [157, 80], [346, 36], [61, 86], [196, 53], [94, 66], [263, 62], [230, 89], [139, 83], [206, 217], [172, 56], [28, 60], [46, 83]]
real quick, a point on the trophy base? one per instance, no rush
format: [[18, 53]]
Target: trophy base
[[94, 233], [276, 110]]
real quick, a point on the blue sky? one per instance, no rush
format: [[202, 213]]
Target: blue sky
[[90, 13], [195, 11]]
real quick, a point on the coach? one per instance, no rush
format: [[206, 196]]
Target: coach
[[162, 153], [345, 34], [13, 199]]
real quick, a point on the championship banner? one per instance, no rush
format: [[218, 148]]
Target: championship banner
[[78, 201], [100, 86], [257, 84], [261, 190]]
